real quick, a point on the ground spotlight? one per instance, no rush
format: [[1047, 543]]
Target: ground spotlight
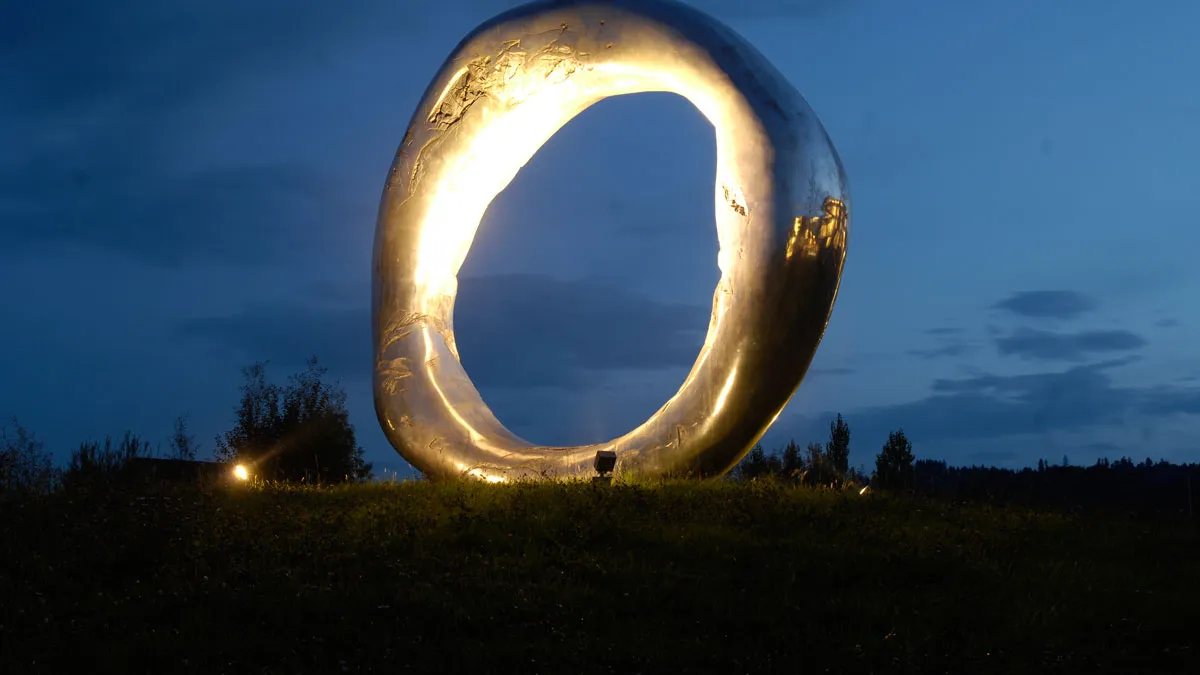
[[605, 462]]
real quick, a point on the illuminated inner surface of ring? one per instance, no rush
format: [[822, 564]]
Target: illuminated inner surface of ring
[[782, 215]]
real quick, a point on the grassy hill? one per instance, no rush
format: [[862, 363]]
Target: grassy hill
[[674, 578]]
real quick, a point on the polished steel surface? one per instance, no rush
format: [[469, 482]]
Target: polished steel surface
[[782, 215]]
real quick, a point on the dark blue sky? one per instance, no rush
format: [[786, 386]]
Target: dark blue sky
[[187, 187]]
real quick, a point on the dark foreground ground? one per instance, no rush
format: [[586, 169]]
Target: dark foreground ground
[[723, 578]]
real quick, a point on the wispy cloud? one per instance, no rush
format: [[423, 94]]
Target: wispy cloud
[[772, 8], [512, 331], [838, 370], [1051, 304], [237, 214], [99, 110], [1043, 345], [101, 101], [989, 406], [947, 350]]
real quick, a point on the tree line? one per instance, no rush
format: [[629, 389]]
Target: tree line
[[1121, 486], [828, 465], [298, 431]]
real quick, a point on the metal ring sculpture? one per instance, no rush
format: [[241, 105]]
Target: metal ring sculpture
[[781, 212]]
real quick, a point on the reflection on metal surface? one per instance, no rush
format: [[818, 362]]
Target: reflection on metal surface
[[813, 234], [506, 89]]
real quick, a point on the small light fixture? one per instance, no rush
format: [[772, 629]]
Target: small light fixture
[[240, 472], [605, 462]]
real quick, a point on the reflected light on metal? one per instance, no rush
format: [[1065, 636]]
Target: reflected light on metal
[[782, 217]]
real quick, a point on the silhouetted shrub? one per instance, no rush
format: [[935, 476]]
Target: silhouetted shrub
[[183, 444], [93, 463], [299, 432], [25, 466]]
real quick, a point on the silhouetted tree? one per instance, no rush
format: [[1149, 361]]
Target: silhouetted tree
[[816, 471], [837, 450], [92, 462], [183, 444], [774, 465], [1146, 488], [894, 465], [258, 418], [25, 466], [755, 464], [792, 463], [1120, 486], [298, 432]]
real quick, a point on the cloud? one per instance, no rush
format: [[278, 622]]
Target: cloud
[[1042, 345], [236, 214], [287, 336], [1047, 304], [1171, 400], [570, 330], [78, 58], [950, 344], [992, 457], [831, 371], [68, 59], [1167, 323], [952, 349], [987, 407], [1104, 449], [763, 9], [512, 330], [103, 101]]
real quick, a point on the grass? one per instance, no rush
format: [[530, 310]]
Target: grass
[[672, 578]]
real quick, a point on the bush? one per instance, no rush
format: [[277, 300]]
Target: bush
[[25, 466], [93, 463], [298, 432]]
